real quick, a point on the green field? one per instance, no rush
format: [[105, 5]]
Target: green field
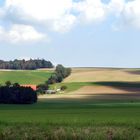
[[74, 115], [71, 86], [68, 119], [25, 77]]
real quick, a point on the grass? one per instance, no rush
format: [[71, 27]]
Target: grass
[[73, 119], [73, 86], [67, 119], [25, 77]]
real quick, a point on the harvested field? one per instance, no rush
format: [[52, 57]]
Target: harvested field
[[102, 74], [100, 93], [106, 90]]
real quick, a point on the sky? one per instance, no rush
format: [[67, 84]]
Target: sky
[[75, 33]]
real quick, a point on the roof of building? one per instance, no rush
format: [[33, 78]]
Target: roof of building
[[31, 86]]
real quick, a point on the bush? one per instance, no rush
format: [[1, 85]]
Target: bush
[[63, 88], [62, 71], [42, 88]]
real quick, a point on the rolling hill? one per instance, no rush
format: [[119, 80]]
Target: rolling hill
[[25, 76], [103, 74]]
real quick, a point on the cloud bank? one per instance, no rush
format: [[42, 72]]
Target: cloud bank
[[31, 20]]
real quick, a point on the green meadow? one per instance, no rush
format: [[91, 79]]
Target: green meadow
[[25, 77], [71, 119]]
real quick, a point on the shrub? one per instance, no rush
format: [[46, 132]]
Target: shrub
[[42, 88], [63, 88]]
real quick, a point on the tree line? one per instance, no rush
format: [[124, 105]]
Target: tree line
[[59, 75], [16, 94], [31, 64]]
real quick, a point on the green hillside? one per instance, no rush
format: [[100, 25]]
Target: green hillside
[[25, 77]]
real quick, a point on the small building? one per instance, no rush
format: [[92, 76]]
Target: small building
[[58, 90], [50, 91]]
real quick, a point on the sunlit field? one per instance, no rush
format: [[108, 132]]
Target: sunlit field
[[71, 119], [101, 110], [25, 77]]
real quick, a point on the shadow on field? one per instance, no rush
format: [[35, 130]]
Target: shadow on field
[[126, 86], [136, 72], [97, 98], [124, 91]]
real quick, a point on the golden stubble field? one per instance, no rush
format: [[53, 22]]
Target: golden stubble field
[[103, 74], [101, 91]]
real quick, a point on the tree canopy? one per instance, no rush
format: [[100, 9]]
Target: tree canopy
[[61, 73], [16, 94], [25, 65]]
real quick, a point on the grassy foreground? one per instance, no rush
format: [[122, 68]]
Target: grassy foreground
[[67, 119]]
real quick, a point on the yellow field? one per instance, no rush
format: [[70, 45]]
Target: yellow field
[[101, 89], [102, 74]]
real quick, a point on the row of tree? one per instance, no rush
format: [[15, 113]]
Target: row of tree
[[25, 65], [59, 75], [16, 94]]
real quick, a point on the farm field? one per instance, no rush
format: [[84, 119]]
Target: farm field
[[103, 74], [108, 77], [25, 77], [104, 109], [71, 119]]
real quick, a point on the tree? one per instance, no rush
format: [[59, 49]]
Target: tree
[[8, 83], [16, 85], [60, 73], [15, 94], [52, 79], [60, 70], [42, 88], [22, 64]]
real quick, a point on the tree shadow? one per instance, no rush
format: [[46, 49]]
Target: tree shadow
[[126, 86], [135, 72]]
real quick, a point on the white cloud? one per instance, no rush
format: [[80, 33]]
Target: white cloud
[[20, 33], [91, 10], [50, 13], [127, 14], [23, 16], [2, 12], [40, 9], [131, 13], [116, 6], [64, 24]]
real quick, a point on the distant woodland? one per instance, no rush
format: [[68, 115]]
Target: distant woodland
[[25, 65]]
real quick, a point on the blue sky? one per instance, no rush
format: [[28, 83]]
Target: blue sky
[[107, 35]]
